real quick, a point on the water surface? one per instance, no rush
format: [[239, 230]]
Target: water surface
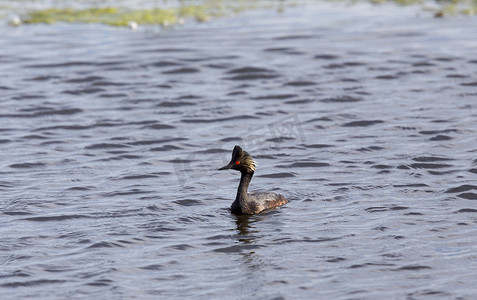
[[363, 117]]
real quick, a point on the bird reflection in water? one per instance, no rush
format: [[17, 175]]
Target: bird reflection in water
[[248, 236], [245, 228]]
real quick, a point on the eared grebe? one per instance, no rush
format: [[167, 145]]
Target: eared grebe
[[250, 203]]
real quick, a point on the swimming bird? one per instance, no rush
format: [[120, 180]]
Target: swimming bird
[[255, 202]]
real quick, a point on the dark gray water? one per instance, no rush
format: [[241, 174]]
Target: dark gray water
[[364, 117]]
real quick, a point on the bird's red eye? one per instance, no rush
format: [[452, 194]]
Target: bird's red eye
[[237, 162]]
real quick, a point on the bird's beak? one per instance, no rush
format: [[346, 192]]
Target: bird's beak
[[229, 166]]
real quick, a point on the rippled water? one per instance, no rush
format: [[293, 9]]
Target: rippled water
[[364, 117]]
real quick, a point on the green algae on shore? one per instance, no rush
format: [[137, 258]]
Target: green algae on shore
[[207, 10], [116, 16], [201, 11], [439, 7]]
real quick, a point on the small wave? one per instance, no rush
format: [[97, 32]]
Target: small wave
[[253, 77], [300, 83], [84, 79], [152, 267], [26, 165], [138, 177], [106, 146], [188, 97], [185, 70], [374, 209], [413, 268], [326, 56], [188, 202], [241, 117], [280, 49], [382, 167], [113, 95], [341, 99], [160, 126], [305, 165], [429, 166], [145, 142], [28, 96], [56, 218], [44, 112], [180, 247], [280, 139], [440, 137], [17, 213], [237, 248], [165, 148], [457, 76], [31, 283], [344, 65], [109, 83], [411, 185], [44, 78], [356, 266], [468, 196], [62, 65], [387, 77], [214, 151], [87, 90], [175, 103], [295, 37], [168, 50], [100, 282], [202, 58], [362, 123], [80, 188], [275, 97], [134, 191], [252, 73], [433, 132], [473, 83], [277, 175], [431, 158], [462, 188], [164, 63], [423, 64], [317, 146], [104, 244], [467, 210], [370, 149], [237, 93]]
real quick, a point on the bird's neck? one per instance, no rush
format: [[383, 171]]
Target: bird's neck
[[243, 186]]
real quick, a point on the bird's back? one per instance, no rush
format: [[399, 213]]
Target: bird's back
[[267, 200]]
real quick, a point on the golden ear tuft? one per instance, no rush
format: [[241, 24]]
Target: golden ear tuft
[[248, 161]]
